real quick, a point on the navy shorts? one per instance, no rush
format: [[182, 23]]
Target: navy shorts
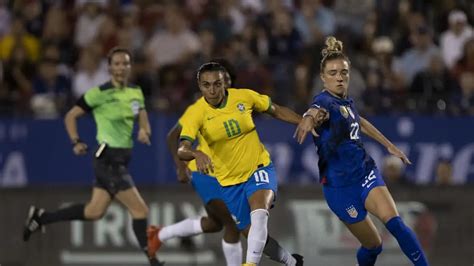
[[236, 196], [206, 186], [348, 203]]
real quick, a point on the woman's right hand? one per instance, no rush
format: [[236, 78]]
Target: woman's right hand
[[305, 126], [309, 122], [79, 148], [203, 163]]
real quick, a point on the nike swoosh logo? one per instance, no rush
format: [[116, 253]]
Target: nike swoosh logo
[[370, 184], [210, 118], [417, 258], [258, 184]]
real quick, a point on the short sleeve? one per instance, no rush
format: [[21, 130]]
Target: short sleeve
[[319, 101], [261, 103], [141, 98], [190, 123], [93, 98]]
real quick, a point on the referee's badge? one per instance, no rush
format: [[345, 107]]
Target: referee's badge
[[241, 107], [135, 107], [344, 111], [352, 211]]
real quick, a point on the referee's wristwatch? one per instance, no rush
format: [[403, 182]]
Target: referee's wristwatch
[[76, 141]]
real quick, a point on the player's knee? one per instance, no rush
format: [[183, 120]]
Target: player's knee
[[374, 243], [364, 252]]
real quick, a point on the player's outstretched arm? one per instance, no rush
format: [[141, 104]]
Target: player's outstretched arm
[[70, 121], [313, 118], [187, 153], [172, 140], [371, 131], [284, 114]]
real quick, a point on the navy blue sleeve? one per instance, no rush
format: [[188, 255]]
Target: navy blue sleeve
[[81, 102], [320, 101]]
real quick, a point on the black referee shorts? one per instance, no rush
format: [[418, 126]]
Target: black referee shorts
[[111, 170]]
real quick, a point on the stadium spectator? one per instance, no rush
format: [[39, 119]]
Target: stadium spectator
[[176, 43], [417, 58], [466, 62], [350, 15], [16, 84], [431, 88], [107, 35], [130, 34], [463, 99], [384, 87], [57, 31], [88, 23], [51, 90], [5, 18], [33, 13], [452, 41], [18, 36], [314, 21], [89, 73], [217, 19]]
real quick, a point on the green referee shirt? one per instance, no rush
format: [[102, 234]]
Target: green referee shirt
[[114, 110]]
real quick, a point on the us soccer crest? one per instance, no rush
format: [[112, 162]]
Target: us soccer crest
[[352, 211], [344, 111], [241, 107]]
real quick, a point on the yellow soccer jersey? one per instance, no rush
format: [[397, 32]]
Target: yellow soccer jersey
[[229, 131]]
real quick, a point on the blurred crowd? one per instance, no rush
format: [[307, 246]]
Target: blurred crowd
[[407, 56]]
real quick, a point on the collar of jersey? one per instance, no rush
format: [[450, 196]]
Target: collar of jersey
[[223, 103], [337, 98], [109, 85]]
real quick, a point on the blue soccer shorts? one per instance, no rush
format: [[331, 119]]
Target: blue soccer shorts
[[236, 196], [348, 203], [206, 187]]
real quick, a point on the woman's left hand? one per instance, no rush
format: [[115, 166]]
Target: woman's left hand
[[143, 137], [396, 152]]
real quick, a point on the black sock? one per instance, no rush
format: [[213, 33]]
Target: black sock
[[139, 228], [73, 212]]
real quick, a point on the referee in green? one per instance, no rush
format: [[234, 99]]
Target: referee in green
[[115, 106]]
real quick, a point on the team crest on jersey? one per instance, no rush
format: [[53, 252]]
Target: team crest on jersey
[[352, 211], [344, 111], [135, 105], [241, 107]]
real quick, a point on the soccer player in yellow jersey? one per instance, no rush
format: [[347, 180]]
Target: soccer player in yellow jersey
[[208, 189], [236, 157]]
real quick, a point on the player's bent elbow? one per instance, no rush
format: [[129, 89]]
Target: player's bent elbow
[[182, 154]]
